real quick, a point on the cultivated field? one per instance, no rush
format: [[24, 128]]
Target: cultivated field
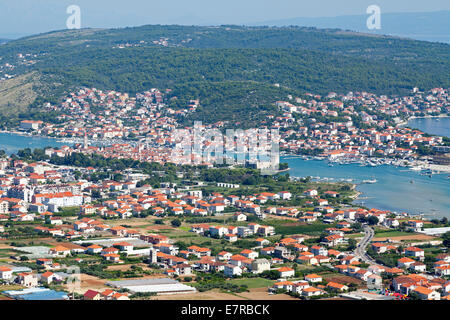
[[254, 294], [406, 237]]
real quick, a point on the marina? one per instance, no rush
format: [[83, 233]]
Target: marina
[[385, 187]]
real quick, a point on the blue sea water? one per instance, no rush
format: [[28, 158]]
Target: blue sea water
[[397, 189], [439, 126], [11, 143]]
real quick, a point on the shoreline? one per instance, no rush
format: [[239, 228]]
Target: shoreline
[[405, 122]]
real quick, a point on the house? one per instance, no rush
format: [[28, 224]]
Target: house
[[5, 273], [231, 270], [307, 260], [199, 251], [415, 225], [318, 250], [244, 231], [442, 270], [44, 262], [119, 231], [374, 281], [224, 255], [284, 285], [262, 242], [260, 265], [310, 193], [418, 267], [230, 237], [183, 269], [48, 277], [311, 291], [112, 257], [379, 247], [415, 252], [92, 295], [109, 250], [313, 278], [286, 272], [240, 217], [337, 286], [59, 251], [300, 285], [266, 230], [376, 269], [120, 296], [333, 240], [322, 259], [250, 254], [123, 246], [94, 249], [285, 195], [405, 262], [394, 271], [27, 279], [426, 294], [54, 220], [107, 294], [217, 232], [362, 274]]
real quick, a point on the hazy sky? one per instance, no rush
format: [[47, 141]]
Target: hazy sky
[[35, 16]]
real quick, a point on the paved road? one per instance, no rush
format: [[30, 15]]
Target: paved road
[[361, 247]]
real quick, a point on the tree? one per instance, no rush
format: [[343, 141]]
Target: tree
[[446, 239], [176, 223], [372, 220], [351, 244]]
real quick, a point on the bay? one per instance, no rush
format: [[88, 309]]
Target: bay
[[397, 189], [12, 142], [439, 126]]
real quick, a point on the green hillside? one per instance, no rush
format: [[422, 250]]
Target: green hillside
[[232, 69]]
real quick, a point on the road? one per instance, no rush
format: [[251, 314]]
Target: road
[[361, 247]]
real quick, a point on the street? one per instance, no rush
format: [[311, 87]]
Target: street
[[360, 250]]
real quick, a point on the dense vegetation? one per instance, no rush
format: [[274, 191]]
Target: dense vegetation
[[231, 69]]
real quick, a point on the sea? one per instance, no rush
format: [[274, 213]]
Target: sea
[[12, 142], [439, 126], [397, 189]]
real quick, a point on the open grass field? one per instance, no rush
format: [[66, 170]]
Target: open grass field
[[253, 282], [289, 228], [381, 233]]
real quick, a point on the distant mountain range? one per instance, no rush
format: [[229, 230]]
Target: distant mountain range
[[428, 26]]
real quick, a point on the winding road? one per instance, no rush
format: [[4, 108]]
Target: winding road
[[361, 247]]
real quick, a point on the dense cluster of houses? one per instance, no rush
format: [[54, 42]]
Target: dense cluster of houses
[[368, 126], [39, 192], [373, 135]]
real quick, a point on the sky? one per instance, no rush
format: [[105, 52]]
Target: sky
[[21, 17]]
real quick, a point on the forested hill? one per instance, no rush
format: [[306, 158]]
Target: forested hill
[[230, 68]]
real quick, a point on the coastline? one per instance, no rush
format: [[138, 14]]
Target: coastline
[[25, 134], [405, 122]]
